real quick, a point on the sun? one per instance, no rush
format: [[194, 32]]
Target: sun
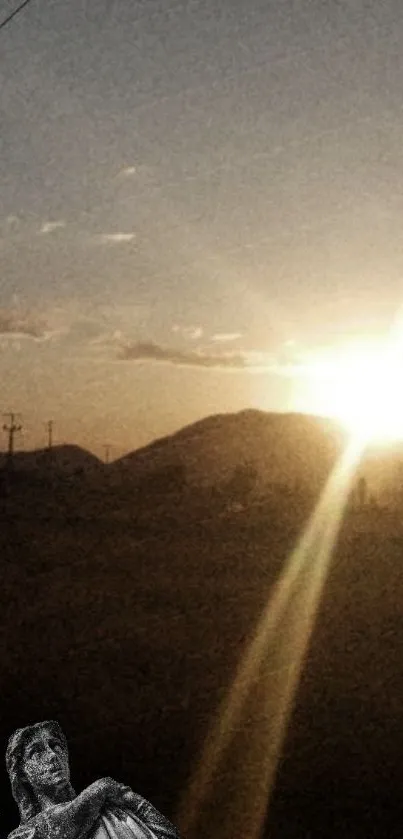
[[361, 385]]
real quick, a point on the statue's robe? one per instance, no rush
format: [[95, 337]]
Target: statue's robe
[[113, 823], [146, 823], [122, 826]]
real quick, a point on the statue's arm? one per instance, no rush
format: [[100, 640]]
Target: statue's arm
[[76, 818], [159, 824]]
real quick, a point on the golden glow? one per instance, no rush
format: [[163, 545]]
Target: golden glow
[[360, 385], [230, 789]]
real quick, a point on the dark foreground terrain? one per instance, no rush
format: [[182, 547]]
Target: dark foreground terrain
[[124, 617]]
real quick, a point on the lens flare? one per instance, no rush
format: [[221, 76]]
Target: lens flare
[[230, 790], [358, 384]]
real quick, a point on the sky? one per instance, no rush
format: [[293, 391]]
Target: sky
[[195, 197]]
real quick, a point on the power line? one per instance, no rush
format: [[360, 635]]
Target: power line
[[14, 13]]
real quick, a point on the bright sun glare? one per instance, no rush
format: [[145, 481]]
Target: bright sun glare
[[361, 386]]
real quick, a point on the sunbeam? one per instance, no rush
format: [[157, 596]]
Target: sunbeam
[[229, 793]]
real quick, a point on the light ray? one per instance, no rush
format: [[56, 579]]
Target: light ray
[[230, 790]]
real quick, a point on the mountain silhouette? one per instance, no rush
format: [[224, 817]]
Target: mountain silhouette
[[290, 450], [65, 458], [282, 448]]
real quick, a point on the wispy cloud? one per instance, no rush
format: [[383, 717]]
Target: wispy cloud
[[226, 336], [93, 329], [192, 332], [13, 221], [115, 238], [51, 226], [128, 171], [112, 338], [69, 321], [18, 324], [149, 351]]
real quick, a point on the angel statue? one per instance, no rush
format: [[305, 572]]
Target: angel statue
[[37, 762]]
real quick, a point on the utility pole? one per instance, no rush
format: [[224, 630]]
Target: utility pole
[[107, 448], [48, 454], [11, 429], [49, 426]]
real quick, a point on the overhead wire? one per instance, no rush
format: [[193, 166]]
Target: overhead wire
[[13, 14]]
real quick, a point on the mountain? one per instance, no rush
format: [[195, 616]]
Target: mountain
[[65, 458], [289, 449], [282, 448]]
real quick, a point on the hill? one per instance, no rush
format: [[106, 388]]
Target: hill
[[131, 640], [283, 448], [145, 617], [65, 458], [291, 451]]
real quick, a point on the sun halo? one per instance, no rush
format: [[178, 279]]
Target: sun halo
[[360, 386]]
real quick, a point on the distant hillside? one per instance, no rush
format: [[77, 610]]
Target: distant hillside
[[296, 450], [64, 458], [283, 448]]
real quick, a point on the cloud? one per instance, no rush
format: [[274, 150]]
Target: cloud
[[16, 324], [50, 226], [193, 332], [276, 363], [128, 171], [97, 324], [116, 238], [226, 336], [149, 351]]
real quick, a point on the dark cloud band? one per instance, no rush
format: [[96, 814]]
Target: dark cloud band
[[15, 324], [149, 351]]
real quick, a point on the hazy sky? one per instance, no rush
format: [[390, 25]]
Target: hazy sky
[[193, 195]]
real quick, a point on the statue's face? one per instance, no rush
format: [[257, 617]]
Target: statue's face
[[46, 763]]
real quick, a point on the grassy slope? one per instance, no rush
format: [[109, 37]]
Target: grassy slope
[[129, 637]]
